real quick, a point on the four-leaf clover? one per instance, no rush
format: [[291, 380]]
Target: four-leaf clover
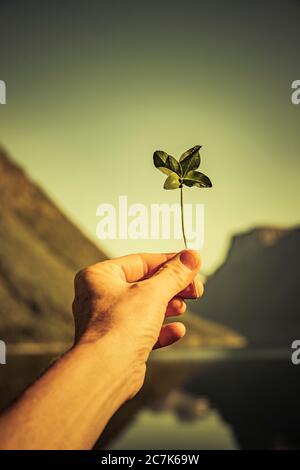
[[182, 172]]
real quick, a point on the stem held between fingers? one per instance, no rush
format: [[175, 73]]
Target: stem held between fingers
[[182, 216]]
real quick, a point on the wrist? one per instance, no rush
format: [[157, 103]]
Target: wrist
[[114, 357]]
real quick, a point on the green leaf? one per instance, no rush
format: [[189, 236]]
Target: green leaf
[[173, 164], [172, 182], [166, 163], [195, 178], [190, 160]]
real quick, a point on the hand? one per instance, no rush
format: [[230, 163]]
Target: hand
[[128, 298], [119, 310]]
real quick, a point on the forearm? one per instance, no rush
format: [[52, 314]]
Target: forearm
[[68, 407]]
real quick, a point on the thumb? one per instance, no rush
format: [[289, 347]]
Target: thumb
[[175, 275]]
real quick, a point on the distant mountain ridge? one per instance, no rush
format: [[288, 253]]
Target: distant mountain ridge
[[256, 290]]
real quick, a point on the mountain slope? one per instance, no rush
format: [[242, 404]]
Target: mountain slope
[[40, 250], [256, 290], [33, 209]]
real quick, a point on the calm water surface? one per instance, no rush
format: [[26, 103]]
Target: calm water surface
[[198, 400]]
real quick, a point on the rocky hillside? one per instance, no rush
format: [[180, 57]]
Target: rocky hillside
[[40, 250]]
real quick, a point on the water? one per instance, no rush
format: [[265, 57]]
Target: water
[[204, 400]]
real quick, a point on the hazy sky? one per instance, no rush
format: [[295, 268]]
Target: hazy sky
[[94, 87]]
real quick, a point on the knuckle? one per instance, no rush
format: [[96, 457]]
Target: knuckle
[[78, 278], [81, 277], [74, 305], [176, 274]]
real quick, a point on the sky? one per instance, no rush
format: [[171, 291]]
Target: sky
[[94, 87]]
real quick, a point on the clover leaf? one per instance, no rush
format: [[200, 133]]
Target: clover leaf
[[190, 160], [195, 178], [166, 163], [182, 172], [172, 182]]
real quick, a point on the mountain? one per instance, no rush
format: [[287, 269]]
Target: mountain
[[256, 290], [40, 252]]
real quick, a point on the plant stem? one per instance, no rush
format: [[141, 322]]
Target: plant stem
[[182, 216]]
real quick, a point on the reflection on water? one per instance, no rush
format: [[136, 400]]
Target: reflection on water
[[247, 401], [167, 431]]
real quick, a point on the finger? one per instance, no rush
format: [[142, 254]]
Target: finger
[[137, 266], [194, 290], [176, 306], [169, 334], [174, 275]]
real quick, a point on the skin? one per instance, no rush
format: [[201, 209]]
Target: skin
[[119, 309]]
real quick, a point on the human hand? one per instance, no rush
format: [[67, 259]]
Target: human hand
[[119, 309], [128, 298]]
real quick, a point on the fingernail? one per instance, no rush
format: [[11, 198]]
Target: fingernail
[[198, 286], [190, 259]]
